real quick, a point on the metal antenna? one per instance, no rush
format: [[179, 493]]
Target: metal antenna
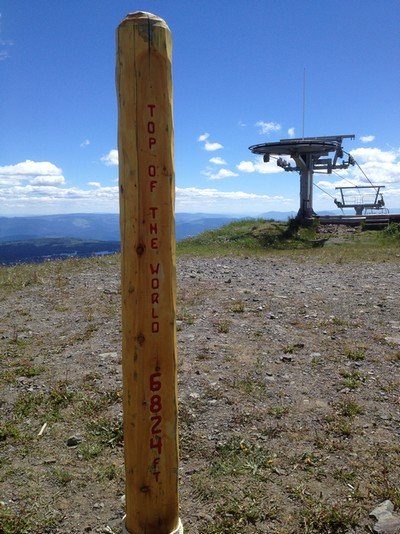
[[304, 97]]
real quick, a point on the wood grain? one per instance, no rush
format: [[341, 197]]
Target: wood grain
[[146, 178]]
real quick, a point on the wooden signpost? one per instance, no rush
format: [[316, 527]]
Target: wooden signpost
[[146, 173]]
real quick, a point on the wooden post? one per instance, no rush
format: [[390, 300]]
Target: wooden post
[[146, 173]]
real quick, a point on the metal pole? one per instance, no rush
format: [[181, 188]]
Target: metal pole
[[146, 174], [306, 189], [304, 98]]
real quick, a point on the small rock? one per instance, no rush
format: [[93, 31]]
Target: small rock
[[108, 355], [388, 523], [391, 525], [395, 340], [204, 516], [73, 441], [286, 358], [383, 510]]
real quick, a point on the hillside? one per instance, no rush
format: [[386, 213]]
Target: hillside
[[36, 250], [95, 226], [288, 383]]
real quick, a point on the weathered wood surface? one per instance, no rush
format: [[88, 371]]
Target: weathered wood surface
[[146, 171]]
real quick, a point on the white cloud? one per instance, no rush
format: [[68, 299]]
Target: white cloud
[[39, 187], [364, 155], [203, 137], [215, 201], [378, 167], [367, 138], [392, 192], [48, 180], [111, 158], [30, 168], [259, 166], [94, 184], [33, 172], [85, 143], [221, 174], [324, 184], [194, 192], [22, 200], [291, 132], [211, 147], [217, 161], [268, 127]]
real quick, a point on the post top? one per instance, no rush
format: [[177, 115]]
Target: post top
[[144, 18]]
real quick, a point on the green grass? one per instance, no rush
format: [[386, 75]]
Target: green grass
[[237, 456], [355, 354], [238, 307], [258, 237], [13, 523], [22, 368], [107, 432], [278, 411], [108, 472], [9, 432], [249, 235], [48, 405], [61, 476], [24, 275], [319, 516], [250, 385], [25, 521], [89, 451], [222, 326], [352, 379], [350, 409]]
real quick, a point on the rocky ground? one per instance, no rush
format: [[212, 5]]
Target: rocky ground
[[289, 395]]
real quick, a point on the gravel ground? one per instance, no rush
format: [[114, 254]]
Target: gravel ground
[[289, 396]]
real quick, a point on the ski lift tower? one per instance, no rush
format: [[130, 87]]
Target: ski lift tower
[[311, 154]]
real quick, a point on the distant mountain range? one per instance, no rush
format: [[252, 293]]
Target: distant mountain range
[[37, 250], [36, 238], [105, 226]]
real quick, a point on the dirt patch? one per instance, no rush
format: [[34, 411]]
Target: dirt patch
[[289, 396]]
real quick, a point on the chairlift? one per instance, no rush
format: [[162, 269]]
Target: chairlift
[[363, 201]]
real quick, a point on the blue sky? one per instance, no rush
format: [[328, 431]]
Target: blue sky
[[238, 80]]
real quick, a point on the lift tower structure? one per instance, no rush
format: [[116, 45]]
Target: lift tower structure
[[311, 154]]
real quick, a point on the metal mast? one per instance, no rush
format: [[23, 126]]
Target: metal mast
[[310, 154]]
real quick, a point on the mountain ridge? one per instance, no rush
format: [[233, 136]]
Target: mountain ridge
[[105, 226]]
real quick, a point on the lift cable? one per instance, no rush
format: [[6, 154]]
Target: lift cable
[[343, 178], [320, 172], [374, 186], [326, 192]]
